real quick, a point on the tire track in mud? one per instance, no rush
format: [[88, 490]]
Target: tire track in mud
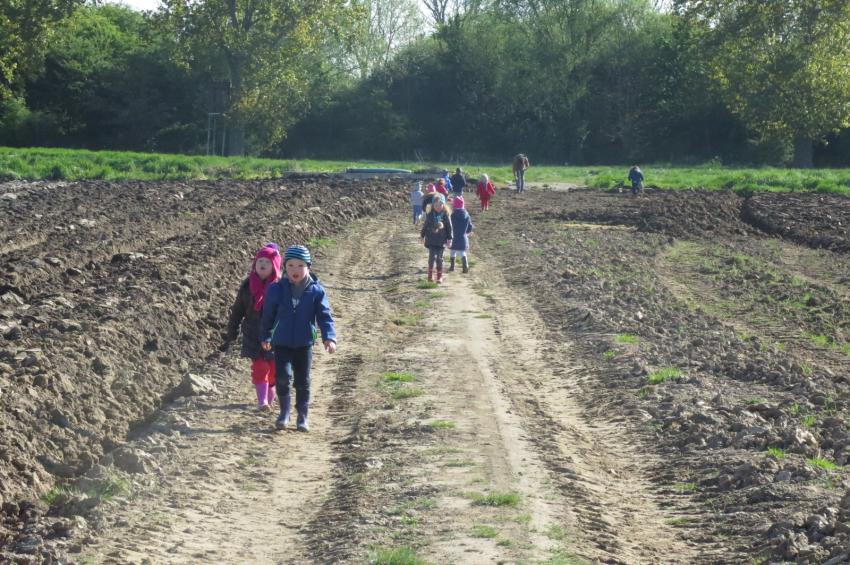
[[601, 470]]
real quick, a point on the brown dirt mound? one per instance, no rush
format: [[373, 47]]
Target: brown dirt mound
[[816, 220], [674, 213], [110, 293]]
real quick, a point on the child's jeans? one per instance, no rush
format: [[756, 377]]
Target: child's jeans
[[435, 255], [294, 362], [417, 211]]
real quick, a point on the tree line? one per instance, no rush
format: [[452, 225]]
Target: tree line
[[567, 81]]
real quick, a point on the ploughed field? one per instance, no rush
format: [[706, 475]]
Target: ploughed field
[[660, 379]]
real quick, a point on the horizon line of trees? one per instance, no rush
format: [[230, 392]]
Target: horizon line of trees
[[566, 81]]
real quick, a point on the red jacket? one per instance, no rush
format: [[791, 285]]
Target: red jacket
[[441, 188], [484, 192]]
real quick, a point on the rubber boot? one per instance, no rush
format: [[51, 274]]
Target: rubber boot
[[430, 275], [465, 261], [452, 265], [439, 277], [301, 424], [285, 410]]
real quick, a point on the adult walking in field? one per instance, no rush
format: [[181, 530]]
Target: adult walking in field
[[520, 165], [458, 182], [636, 178]]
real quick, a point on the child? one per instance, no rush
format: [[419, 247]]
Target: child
[[294, 307], [428, 198], [265, 270], [458, 181], [416, 197], [485, 191], [636, 176], [436, 233], [461, 230], [441, 187]]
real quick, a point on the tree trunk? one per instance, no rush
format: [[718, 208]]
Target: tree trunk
[[803, 153], [235, 124]]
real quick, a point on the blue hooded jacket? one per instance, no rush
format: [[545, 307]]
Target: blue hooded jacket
[[286, 325]]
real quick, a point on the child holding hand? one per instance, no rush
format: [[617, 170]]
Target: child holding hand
[[246, 311], [295, 307]]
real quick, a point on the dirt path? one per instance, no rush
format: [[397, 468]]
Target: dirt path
[[446, 427]]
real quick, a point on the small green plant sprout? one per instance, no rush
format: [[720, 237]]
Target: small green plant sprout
[[458, 463], [806, 369], [664, 374], [407, 392], [537, 251], [821, 340], [406, 319], [395, 556], [685, 487], [643, 392], [397, 377], [678, 521], [795, 409], [822, 463], [484, 316], [503, 243], [321, 242], [609, 355], [495, 499], [426, 284], [754, 401], [441, 425], [555, 532], [627, 339], [809, 420], [776, 452], [482, 531]]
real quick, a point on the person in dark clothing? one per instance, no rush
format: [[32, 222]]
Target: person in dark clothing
[[458, 181], [296, 310], [462, 228], [246, 312], [636, 177], [436, 234]]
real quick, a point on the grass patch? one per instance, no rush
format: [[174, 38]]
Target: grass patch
[[422, 304], [664, 374], [396, 377], [609, 355], [685, 487], [321, 243], [776, 452], [458, 463], [822, 463], [809, 420], [495, 499], [47, 163], [483, 316], [435, 294], [395, 556], [678, 521], [627, 339], [555, 532], [442, 425], [482, 531], [407, 319], [510, 544], [426, 284], [407, 392]]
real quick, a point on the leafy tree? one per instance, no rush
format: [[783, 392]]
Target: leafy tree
[[382, 29], [24, 32], [781, 66], [259, 50]]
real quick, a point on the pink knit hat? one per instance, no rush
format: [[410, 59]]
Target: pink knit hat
[[432, 188], [457, 202]]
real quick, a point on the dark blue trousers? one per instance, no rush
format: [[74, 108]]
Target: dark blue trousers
[[293, 363]]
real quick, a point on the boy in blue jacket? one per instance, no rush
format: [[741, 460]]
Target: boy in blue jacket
[[293, 308]]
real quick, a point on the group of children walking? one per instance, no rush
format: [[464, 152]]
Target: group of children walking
[[446, 221], [281, 307], [280, 313]]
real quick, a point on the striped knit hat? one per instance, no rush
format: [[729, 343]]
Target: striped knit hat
[[297, 252]]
